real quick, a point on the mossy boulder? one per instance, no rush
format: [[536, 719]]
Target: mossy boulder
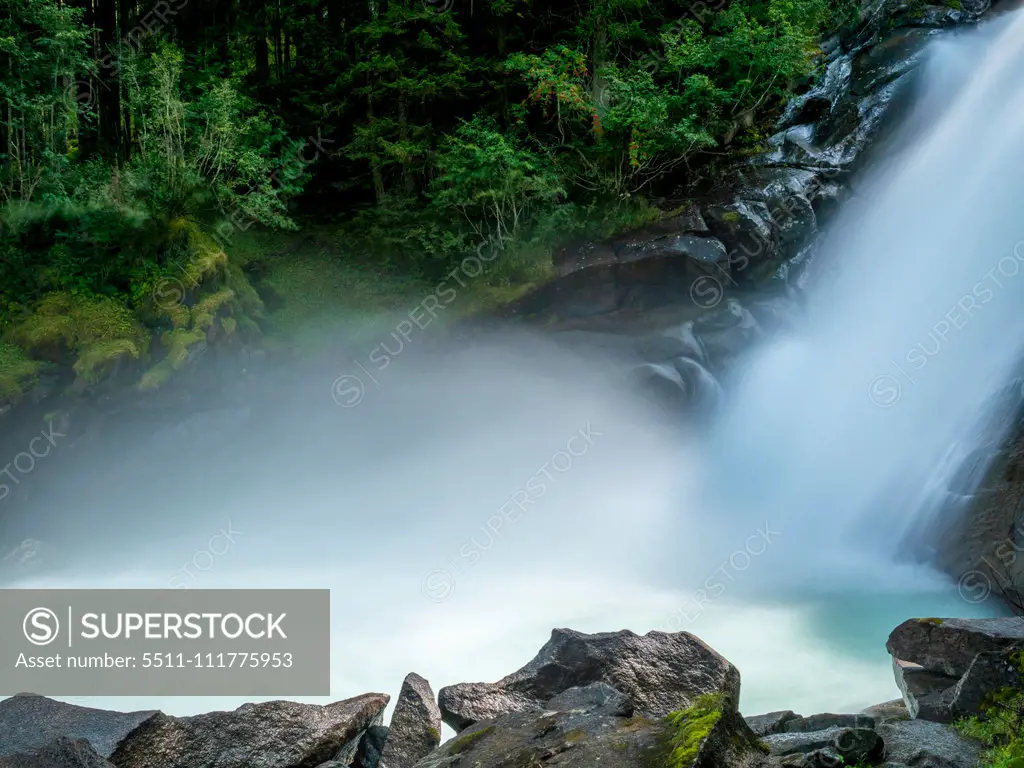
[[95, 336], [17, 373]]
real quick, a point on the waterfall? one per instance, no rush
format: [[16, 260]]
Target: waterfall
[[846, 432]]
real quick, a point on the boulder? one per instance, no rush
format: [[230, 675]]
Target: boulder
[[275, 734], [854, 745], [707, 735], [888, 711], [949, 646], [772, 722], [926, 694], [660, 672], [825, 721], [921, 742], [415, 728], [60, 753], [596, 698], [29, 722]]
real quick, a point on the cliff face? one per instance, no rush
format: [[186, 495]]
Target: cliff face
[[982, 539]]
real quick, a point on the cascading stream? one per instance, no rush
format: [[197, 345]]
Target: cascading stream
[[846, 432]]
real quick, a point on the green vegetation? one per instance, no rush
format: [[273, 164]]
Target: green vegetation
[[687, 729], [143, 182], [1001, 727]]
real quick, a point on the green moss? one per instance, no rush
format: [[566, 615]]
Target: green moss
[[463, 743], [205, 311], [17, 372], [229, 325], [936, 622], [577, 734], [730, 217], [434, 734], [98, 358], [687, 729]]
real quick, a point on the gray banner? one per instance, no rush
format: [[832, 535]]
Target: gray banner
[[155, 642]]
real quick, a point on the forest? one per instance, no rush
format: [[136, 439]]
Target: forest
[[149, 152]]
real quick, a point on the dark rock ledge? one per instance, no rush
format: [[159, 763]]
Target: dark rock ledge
[[613, 699]]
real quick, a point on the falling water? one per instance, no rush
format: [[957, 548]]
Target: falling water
[[846, 433]]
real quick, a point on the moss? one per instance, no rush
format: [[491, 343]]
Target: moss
[[730, 217], [434, 734], [17, 372], [687, 729], [620, 746], [577, 734], [463, 743], [229, 325], [100, 357], [205, 311], [156, 376], [935, 622]]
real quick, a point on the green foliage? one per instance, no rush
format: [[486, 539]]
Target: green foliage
[[496, 185]]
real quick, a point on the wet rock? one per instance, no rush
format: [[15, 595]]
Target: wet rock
[[889, 60], [596, 698], [29, 722], [60, 753], [772, 722], [746, 229], [817, 103], [921, 742], [276, 734], [949, 646], [825, 721], [659, 672], [415, 725], [854, 745], [726, 332]]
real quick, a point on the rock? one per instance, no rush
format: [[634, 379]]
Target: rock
[[726, 332], [926, 694], [818, 102], [945, 668], [60, 753], [370, 747], [659, 672], [990, 671], [275, 734], [825, 721], [854, 745], [415, 729], [888, 711], [949, 646], [746, 229], [708, 735], [921, 742], [29, 722], [596, 698], [772, 722]]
